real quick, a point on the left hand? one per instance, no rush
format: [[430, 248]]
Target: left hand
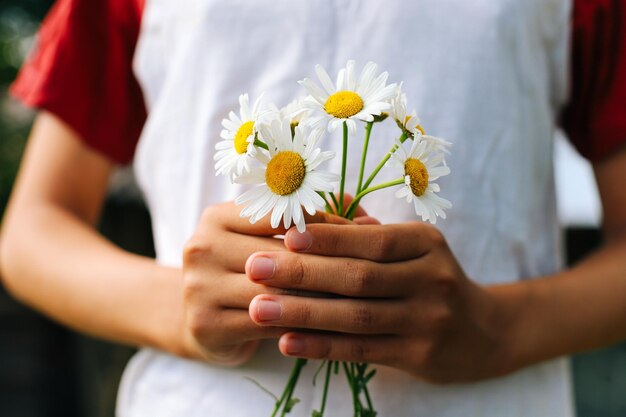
[[403, 302]]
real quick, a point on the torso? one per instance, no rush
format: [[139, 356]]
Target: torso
[[488, 75]]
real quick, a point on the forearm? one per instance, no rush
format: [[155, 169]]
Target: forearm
[[576, 310], [59, 265]]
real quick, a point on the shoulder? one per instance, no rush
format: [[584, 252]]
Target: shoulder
[[80, 69]]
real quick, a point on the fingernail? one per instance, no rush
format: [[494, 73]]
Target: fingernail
[[262, 268], [295, 346], [268, 310], [299, 241]]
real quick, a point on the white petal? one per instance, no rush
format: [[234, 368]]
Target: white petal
[[305, 200], [341, 80], [224, 144], [279, 210], [351, 126], [230, 125], [367, 75], [256, 106], [251, 194], [235, 119], [296, 213], [288, 213], [324, 79], [266, 207], [315, 92], [350, 78]]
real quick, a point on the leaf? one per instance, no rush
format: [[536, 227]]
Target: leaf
[[290, 404], [316, 414], [368, 413], [370, 375]]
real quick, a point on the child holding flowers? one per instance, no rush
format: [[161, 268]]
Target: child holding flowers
[[447, 314]]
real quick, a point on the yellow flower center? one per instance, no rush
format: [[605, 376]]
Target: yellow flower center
[[343, 104], [241, 137], [285, 172], [418, 174]]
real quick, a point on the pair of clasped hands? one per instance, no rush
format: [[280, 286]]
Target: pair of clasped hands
[[396, 296]]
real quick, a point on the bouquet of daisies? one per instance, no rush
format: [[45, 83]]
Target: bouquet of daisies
[[277, 151]]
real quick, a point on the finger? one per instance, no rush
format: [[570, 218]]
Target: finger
[[366, 220], [228, 216], [385, 243], [330, 314], [383, 350], [231, 250], [343, 276], [236, 291], [235, 327]]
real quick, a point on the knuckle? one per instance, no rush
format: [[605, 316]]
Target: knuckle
[[359, 350], [196, 250], [383, 245], [296, 272], [362, 318], [362, 277], [447, 284], [192, 251], [197, 324], [303, 314], [435, 236], [427, 355], [332, 241], [192, 288], [209, 214], [325, 350], [440, 320]]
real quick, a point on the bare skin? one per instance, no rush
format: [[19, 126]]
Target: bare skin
[[410, 306]]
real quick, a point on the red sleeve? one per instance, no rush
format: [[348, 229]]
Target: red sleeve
[[595, 118], [81, 70]]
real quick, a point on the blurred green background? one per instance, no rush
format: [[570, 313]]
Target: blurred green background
[[48, 371]]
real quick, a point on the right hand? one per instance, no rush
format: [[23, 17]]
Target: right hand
[[217, 293]]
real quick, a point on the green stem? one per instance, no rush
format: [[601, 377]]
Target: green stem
[[289, 388], [368, 398], [355, 203], [261, 144], [355, 396], [362, 369], [368, 131], [344, 157], [335, 202], [329, 368], [382, 163], [322, 194]]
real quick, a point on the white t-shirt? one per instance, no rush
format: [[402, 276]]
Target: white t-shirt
[[487, 75]]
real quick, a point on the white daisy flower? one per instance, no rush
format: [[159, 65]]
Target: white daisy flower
[[436, 143], [288, 180], [423, 165], [409, 123], [349, 99], [295, 111], [237, 149]]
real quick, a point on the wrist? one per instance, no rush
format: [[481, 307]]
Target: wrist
[[507, 318], [164, 324]]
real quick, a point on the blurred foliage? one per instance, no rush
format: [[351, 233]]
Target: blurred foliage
[[19, 21]]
